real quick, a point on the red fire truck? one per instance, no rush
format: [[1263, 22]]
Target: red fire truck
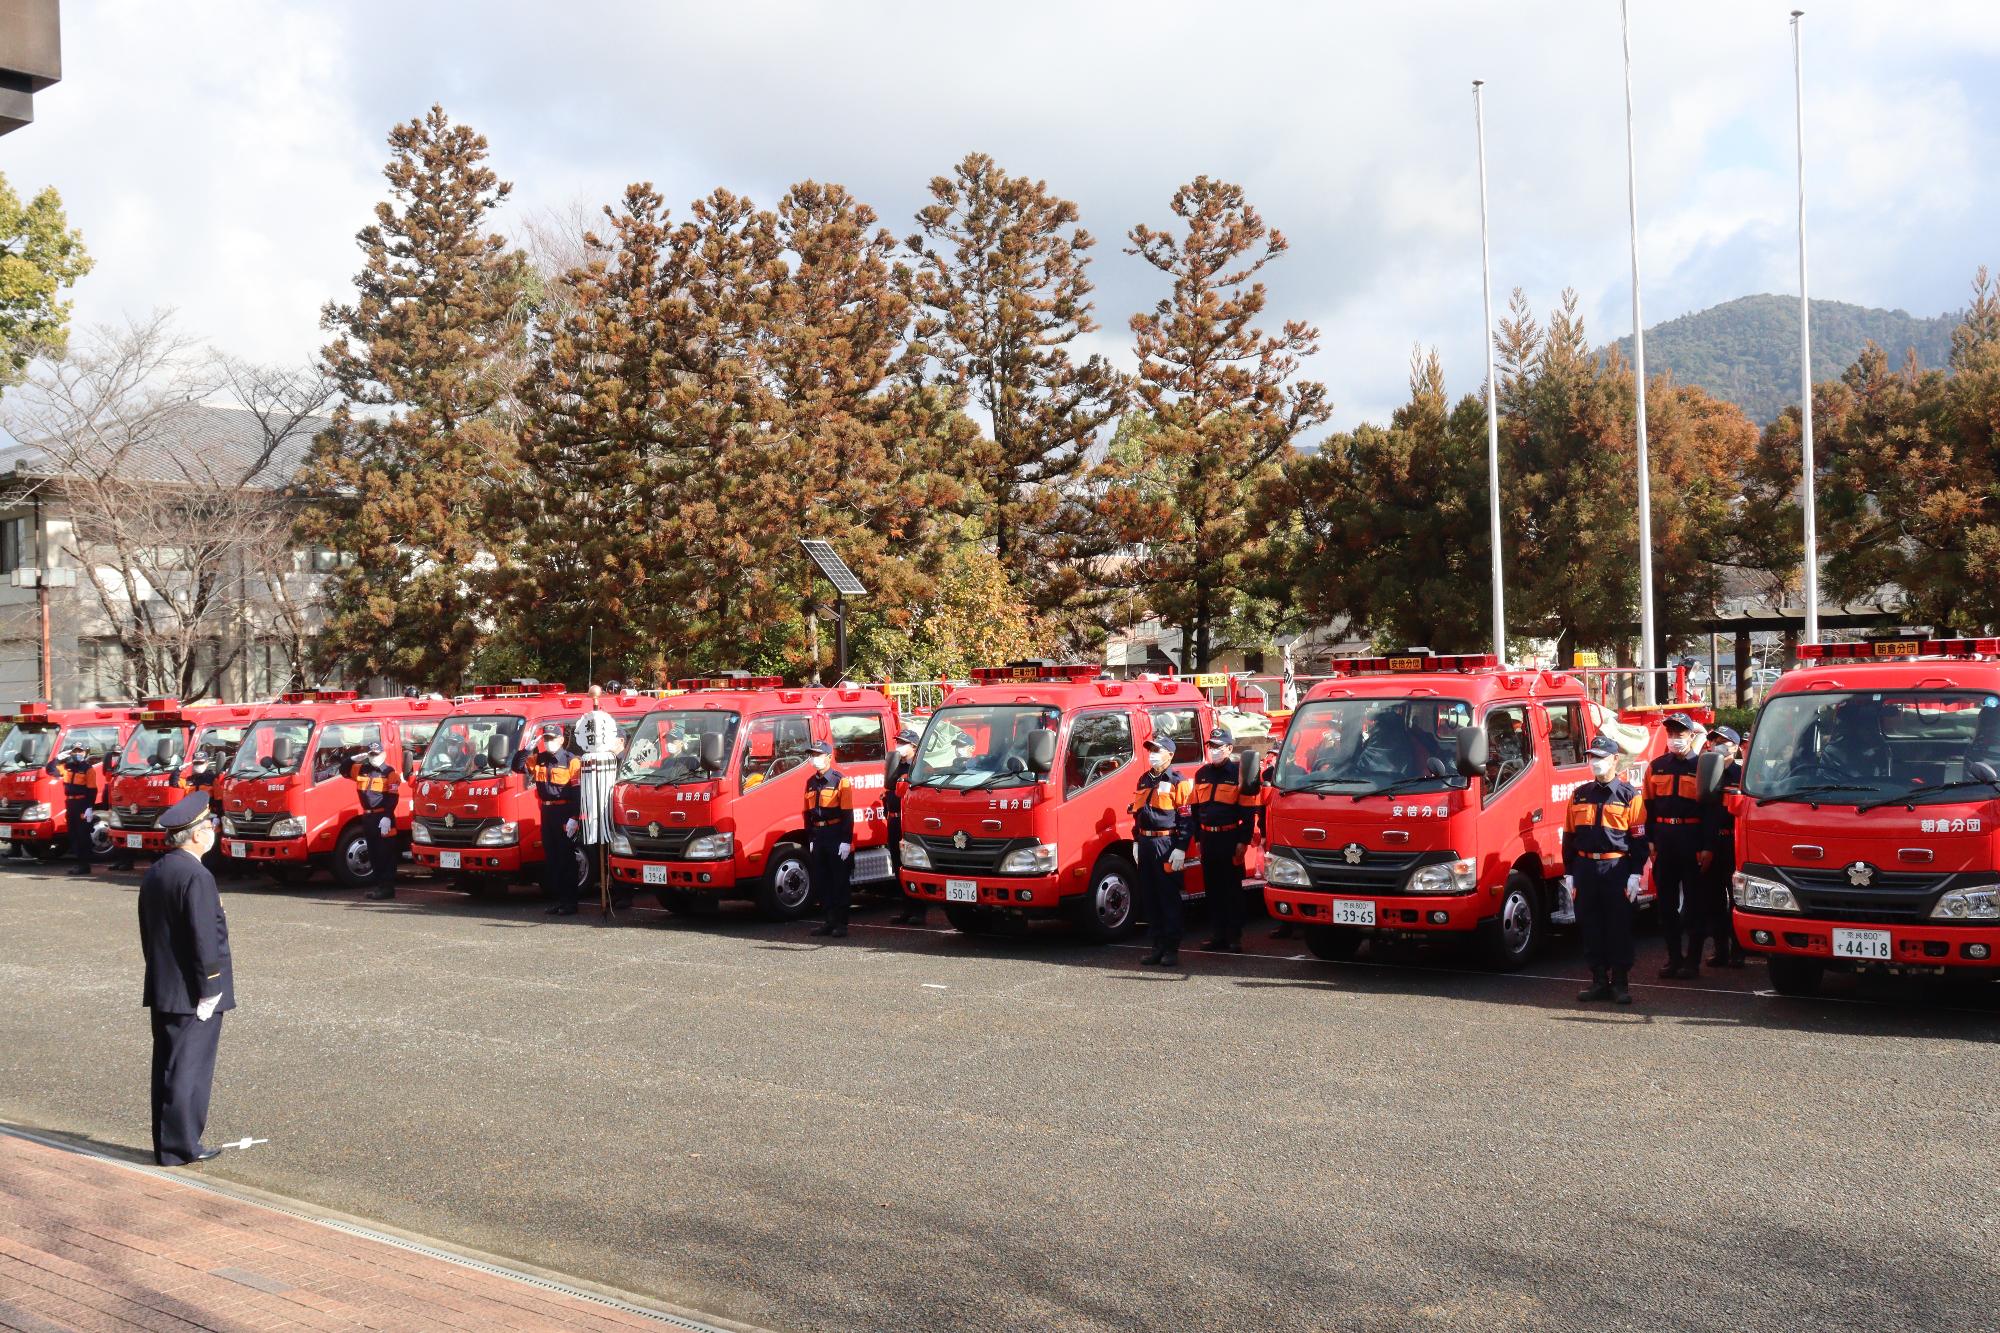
[[154, 767], [1868, 827], [287, 804], [1018, 800], [33, 816], [474, 818], [710, 803], [1423, 795]]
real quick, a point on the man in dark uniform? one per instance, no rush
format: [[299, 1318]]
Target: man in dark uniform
[[83, 792], [1673, 829], [555, 774], [1225, 819], [189, 984], [1717, 858], [380, 787], [895, 786], [1162, 820], [1604, 844], [830, 836]]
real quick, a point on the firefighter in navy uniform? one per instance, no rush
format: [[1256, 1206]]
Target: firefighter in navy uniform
[[1162, 821], [556, 774], [894, 788], [830, 836], [1717, 858], [83, 791], [189, 982], [379, 787], [1674, 818], [1604, 845], [1225, 819]]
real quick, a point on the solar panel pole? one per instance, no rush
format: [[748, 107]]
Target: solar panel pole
[[839, 636]]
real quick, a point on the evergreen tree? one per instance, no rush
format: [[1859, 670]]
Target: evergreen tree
[[40, 254], [427, 351]]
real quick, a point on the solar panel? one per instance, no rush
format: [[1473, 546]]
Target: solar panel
[[836, 570]]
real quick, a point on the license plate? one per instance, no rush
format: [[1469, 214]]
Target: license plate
[[6, 833], [448, 860], [135, 840], [961, 891], [1869, 944], [1353, 912], [653, 874], [238, 849]]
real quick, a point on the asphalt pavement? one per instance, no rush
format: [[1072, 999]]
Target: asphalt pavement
[[909, 1129]]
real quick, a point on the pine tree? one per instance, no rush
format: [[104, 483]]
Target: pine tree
[[428, 352], [1225, 404]]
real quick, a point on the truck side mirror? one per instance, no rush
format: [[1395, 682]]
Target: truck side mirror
[[1042, 752], [497, 751], [1472, 749], [1708, 777], [1249, 773], [1981, 771], [283, 752], [711, 751]]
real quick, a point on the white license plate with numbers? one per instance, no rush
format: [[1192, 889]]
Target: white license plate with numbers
[[135, 840], [450, 860], [1353, 912], [654, 874], [961, 891], [238, 849], [6, 833], [1869, 944]]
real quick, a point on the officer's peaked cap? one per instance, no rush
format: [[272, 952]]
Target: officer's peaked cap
[[185, 811]]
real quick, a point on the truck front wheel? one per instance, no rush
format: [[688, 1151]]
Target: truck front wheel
[[1795, 976], [352, 864], [1509, 942], [1336, 944], [1108, 911], [787, 888]]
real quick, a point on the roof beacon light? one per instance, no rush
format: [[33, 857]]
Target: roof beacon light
[[730, 680], [1897, 650], [1035, 670], [1417, 660]]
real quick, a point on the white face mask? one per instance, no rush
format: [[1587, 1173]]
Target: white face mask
[[1217, 754], [1602, 769], [822, 762], [1680, 743], [906, 752], [1157, 760]]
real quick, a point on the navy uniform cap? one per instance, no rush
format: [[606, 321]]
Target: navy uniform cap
[[1728, 734], [1603, 747], [908, 736], [1160, 745], [1221, 736], [1679, 722], [819, 747], [185, 811]]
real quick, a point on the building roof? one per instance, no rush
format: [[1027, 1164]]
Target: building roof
[[201, 446]]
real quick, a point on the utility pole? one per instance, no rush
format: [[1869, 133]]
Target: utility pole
[[1492, 389], [1646, 646], [1806, 476]]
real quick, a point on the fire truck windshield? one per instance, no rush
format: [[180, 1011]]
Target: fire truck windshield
[[219, 742], [272, 748], [665, 749], [979, 745], [26, 746], [155, 747], [1866, 745], [1366, 745], [463, 746]]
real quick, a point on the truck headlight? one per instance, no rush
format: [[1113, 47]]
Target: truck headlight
[[914, 855], [36, 812], [420, 831], [1445, 877], [116, 820], [1286, 872], [712, 847], [290, 826], [1037, 860], [620, 844], [229, 826], [503, 834], [1761, 895], [1975, 904]]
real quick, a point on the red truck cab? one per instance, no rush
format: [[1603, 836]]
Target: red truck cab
[[288, 805], [710, 803], [33, 814], [1868, 825], [474, 818], [1018, 803], [155, 767]]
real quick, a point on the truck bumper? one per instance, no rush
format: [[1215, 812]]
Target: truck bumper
[[150, 842], [474, 860], [266, 849], [1024, 893], [1392, 911], [41, 830], [696, 876], [1914, 945]]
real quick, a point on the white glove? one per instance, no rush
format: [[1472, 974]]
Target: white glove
[[205, 1010], [386, 825], [88, 811], [1631, 888], [571, 827], [846, 850], [1176, 861], [1569, 882]]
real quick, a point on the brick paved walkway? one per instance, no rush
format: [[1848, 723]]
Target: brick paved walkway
[[90, 1244]]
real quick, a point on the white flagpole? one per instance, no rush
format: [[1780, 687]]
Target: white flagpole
[[1805, 352], [1639, 375], [1492, 389]]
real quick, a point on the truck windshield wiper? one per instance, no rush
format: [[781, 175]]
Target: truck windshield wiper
[[1917, 791], [1325, 784], [1401, 784], [1807, 793], [983, 784]]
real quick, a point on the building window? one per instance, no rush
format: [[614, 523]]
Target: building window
[[17, 544], [101, 669]]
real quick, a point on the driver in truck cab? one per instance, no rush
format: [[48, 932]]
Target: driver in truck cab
[[1855, 749]]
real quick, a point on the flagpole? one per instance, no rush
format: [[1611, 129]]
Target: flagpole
[[1639, 376], [1492, 390], [1806, 474]]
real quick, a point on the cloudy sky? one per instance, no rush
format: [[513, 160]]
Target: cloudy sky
[[220, 156]]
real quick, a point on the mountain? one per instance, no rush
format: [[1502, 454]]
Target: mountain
[[1747, 350]]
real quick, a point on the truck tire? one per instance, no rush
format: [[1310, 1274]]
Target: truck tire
[[968, 919], [1110, 909], [46, 851], [486, 888], [351, 863], [1795, 976], [686, 902], [1515, 937], [286, 873], [786, 892], [100, 839], [1336, 944]]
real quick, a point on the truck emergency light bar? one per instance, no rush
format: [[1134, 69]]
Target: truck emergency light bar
[[1371, 666], [1879, 650], [160, 710], [29, 712], [1028, 671], [318, 697], [730, 680], [519, 689]]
